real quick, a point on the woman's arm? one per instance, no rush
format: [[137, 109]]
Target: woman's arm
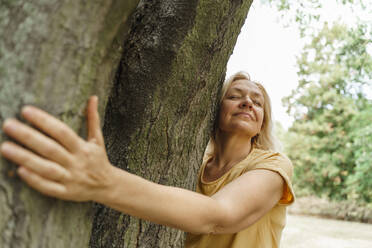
[[235, 207], [68, 167]]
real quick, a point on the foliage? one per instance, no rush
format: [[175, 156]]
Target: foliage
[[359, 184], [307, 14], [330, 141]]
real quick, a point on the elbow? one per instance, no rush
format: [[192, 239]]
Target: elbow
[[229, 227], [229, 223], [207, 229], [219, 224], [222, 219], [218, 228], [210, 222]]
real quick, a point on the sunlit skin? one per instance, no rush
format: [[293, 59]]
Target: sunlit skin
[[61, 164], [240, 119], [242, 111]]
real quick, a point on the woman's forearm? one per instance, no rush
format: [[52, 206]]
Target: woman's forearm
[[171, 206], [65, 166]]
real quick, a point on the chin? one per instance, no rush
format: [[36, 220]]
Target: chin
[[244, 130]]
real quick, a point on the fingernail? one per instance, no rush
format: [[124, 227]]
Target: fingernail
[[27, 111], [9, 125], [94, 98], [6, 149], [21, 170]]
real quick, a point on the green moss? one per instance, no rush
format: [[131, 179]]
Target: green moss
[[52, 64], [130, 237]]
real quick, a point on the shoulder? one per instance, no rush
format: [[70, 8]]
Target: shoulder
[[267, 159], [281, 164]]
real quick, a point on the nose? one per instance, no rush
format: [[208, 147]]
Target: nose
[[246, 103]]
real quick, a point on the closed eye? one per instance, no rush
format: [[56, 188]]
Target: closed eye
[[233, 97], [257, 103]]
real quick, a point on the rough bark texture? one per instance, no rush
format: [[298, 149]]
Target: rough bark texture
[[54, 54], [160, 112]]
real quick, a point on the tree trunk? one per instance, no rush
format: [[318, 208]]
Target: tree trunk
[[158, 117], [54, 54]]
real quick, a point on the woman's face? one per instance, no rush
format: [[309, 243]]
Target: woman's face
[[242, 109]]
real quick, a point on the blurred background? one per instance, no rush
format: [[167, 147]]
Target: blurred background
[[315, 60]]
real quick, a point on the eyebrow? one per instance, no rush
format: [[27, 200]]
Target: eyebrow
[[255, 94]]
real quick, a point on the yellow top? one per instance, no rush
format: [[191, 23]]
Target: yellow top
[[266, 232]]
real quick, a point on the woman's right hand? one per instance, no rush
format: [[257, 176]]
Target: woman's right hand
[[58, 162]]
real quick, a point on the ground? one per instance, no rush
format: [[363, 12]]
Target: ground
[[314, 232]]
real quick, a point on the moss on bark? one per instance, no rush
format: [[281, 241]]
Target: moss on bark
[[163, 103], [53, 54]]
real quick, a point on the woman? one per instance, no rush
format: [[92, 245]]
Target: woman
[[243, 186]]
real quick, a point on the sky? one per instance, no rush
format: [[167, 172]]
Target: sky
[[267, 50]]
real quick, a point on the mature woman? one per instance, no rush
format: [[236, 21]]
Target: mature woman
[[243, 185]]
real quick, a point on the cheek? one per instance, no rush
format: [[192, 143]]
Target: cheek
[[221, 119], [223, 112], [223, 116]]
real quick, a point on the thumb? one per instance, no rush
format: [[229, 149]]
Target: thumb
[[93, 122]]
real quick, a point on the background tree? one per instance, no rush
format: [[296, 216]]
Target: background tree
[[329, 139], [307, 15], [161, 101], [330, 110], [359, 183]]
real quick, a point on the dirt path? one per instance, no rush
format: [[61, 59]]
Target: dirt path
[[312, 232]]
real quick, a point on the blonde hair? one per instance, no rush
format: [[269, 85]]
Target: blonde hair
[[265, 139]]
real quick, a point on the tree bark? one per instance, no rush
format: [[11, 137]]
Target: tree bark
[[54, 54], [159, 113], [163, 103]]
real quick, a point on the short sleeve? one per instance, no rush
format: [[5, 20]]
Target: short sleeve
[[283, 166]]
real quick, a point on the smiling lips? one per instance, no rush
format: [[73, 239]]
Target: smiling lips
[[245, 114]]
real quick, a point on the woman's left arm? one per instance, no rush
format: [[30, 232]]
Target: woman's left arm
[[65, 166]]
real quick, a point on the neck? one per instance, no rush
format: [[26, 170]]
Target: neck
[[231, 149]]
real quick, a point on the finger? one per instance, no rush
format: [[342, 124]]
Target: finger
[[94, 127], [36, 141], [52, 127], [41, 184], [23, 157]]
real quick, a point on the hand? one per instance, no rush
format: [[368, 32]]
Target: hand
[[62, 165]]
